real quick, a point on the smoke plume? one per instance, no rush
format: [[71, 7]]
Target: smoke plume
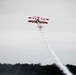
[[57, 60]]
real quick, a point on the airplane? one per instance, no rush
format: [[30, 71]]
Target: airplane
[[39, 20]]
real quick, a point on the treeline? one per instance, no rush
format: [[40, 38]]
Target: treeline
[[33, 69]]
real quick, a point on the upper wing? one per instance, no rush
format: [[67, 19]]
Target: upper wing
[[37, 17], [34, 18]]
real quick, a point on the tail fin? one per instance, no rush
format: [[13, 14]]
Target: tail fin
[[40, 27]]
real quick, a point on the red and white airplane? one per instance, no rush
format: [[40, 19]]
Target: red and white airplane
[[38, 20]]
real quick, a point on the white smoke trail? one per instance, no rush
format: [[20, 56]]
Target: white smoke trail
[[58, 62]]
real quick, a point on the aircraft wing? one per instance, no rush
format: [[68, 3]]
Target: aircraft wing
[[43, 22], [33, 21]]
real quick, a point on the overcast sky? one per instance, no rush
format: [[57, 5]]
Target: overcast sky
[[21, 42]]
